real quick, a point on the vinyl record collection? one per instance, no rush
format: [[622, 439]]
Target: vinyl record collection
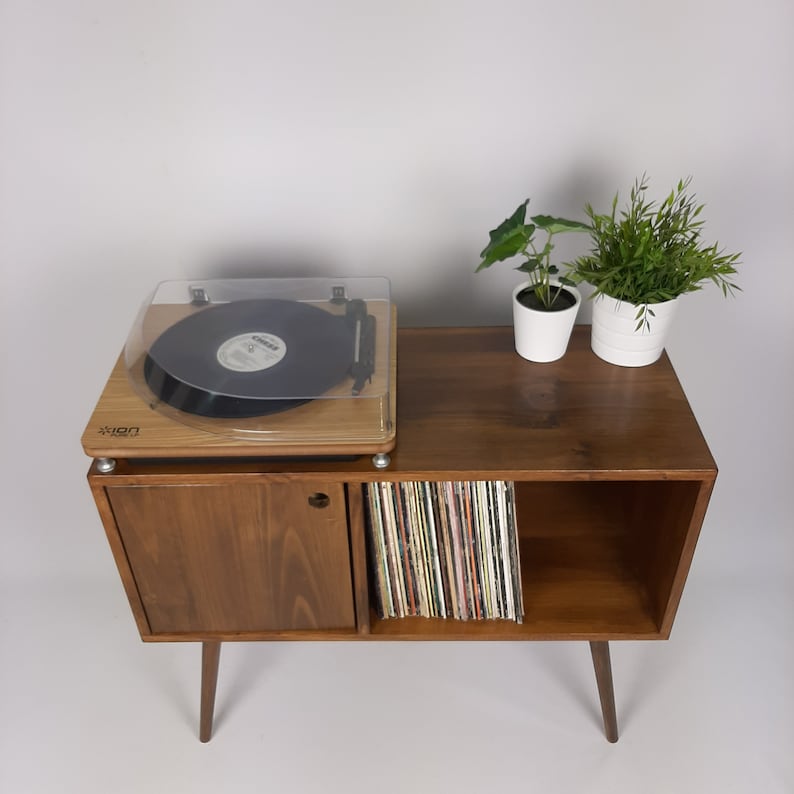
[[444, 549]]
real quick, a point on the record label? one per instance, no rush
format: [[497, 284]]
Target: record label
[[251, 352]]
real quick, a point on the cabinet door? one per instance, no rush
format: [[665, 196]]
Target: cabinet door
[[239, 557]]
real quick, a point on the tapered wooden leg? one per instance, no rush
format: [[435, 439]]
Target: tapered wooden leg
[[210, 656], [603, 674]]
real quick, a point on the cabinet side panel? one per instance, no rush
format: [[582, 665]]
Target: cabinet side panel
[[666, 519], [120, 556], [693, 521], [235, 558]]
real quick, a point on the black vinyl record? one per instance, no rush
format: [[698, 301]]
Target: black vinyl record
[[250, 358]]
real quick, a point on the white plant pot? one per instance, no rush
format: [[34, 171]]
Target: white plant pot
[[539, 335], [614, 338]]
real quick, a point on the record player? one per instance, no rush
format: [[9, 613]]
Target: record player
[[254, 368]]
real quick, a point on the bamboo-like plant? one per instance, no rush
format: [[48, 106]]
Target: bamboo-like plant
[[650, 253], [514, 236]]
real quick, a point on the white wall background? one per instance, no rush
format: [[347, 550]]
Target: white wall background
[[142, 141]]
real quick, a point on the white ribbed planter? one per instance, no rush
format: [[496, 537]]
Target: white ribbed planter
[[539, 335], [613, 336]]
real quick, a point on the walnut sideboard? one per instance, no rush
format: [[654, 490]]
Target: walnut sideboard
[[612, 479]]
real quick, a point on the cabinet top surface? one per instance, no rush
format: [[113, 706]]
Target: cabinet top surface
[[468, 400], [468, 404]]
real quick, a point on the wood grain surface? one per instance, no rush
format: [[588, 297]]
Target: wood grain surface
[[612, 479], [237, 557]]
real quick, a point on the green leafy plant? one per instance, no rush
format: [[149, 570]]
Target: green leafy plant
[[514, 236], [650, 252]]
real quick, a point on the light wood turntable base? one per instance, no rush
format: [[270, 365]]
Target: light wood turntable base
[[125, 425]]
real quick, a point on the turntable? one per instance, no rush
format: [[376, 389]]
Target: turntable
[[253, 368]]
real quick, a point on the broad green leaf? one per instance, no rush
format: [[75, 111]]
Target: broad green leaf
[[507, 239], [508, 244], [507, 226], [530, 266], [556, 225]]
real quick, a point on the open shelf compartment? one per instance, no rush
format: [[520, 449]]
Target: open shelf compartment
[[599, 560]]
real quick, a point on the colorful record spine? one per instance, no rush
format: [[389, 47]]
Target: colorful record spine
[[444, 549]]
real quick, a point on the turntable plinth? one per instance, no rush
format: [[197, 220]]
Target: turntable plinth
[[612, 479], [125, 426]]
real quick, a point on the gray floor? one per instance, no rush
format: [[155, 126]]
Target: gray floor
[[88, 708]]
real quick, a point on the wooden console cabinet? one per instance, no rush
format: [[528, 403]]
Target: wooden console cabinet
[[612, 479]]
